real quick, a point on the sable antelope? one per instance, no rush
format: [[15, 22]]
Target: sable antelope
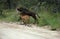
[[25, 14]]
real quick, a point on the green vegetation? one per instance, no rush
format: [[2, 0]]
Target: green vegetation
[[9, 16], [49, 11]]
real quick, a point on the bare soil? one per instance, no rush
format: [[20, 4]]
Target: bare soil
[[16, 31]]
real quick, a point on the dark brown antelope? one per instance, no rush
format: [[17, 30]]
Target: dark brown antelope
[[26, 14]]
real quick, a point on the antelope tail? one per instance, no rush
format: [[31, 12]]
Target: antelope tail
[[37, 16]]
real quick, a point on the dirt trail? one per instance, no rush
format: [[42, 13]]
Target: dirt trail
[[15, 31]]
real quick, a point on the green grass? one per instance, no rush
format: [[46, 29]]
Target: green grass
[[10, 16], [46, 18], [52, 19]]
